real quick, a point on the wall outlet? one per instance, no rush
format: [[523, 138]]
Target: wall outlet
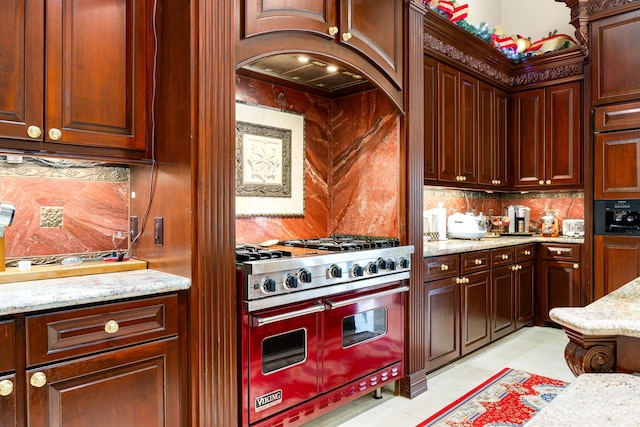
[[133, 227], [158, 231]]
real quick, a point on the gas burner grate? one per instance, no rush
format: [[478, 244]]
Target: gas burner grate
[[343, 243], [251, 253]]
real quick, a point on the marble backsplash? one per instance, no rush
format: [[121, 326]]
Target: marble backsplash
[[566, 204], [63, 207]]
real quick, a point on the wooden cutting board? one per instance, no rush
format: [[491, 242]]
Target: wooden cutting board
[[38, 272]]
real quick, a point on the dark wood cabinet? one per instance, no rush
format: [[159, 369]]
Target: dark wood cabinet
[[8, 389], [502, 292], [109, 364], [493, 136], [617, 151], [614, 67], [559, 284], [443, 322], [75, 78], [525, 284], [134, 386], [371, 28], [475, 301], [618, 262], [546, 137], [458, 126], [430, 120]]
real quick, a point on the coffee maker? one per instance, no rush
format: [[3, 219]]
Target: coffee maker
[[519, 217]]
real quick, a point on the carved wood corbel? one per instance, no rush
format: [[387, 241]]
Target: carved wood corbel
[[594, 359], [580, 20]]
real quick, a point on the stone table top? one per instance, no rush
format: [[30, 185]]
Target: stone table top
[[617, 313], [593, 400], [34, 295], [454, 246]]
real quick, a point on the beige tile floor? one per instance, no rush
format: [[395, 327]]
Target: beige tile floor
[[532, 349]]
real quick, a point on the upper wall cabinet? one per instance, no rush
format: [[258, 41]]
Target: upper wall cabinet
[[615, 64], [372, 28], [74, 77], [546, 137]]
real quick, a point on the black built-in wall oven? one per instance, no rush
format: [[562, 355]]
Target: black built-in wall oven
[[617, 217]]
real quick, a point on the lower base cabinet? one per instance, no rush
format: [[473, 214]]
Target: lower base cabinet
[[106, 365], [476, 297], [618, 263], [559, 284]]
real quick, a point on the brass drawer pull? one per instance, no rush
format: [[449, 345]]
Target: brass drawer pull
[[111, 327], [6, 388], [444, 267], [477, 262], [505, 257], [39, 379]]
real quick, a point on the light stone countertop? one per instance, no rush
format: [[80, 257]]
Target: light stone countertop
[[593, 400], [35, 295], [454, 246], [617, 313]]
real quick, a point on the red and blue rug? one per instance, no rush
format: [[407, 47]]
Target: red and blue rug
[[509, 398]]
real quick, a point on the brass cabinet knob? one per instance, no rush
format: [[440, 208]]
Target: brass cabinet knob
[[541, 182], [519, 267], [55, 134], [6, 387], [39, 379], [548, 182], [111, 327], [458, 280], [333, 31], [346, 36], [559, 252], [444, 267], [505, 257], [576, 266], [527, 252], [477, 262], [34, 132]]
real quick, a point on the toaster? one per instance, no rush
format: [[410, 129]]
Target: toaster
[[466, 226], [573, 227]]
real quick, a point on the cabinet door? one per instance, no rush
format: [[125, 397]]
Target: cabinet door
[[563, 137], [264, 16], [22, 47], [617, 165], [136, 386], [524, 277], [475, 311], [559, 286], [486, 133], [430, 122], [618, 263], [8, 401], [96, 68], [468, 122], [502, 302], [501, 138], [448, 129], [615, 73], [374, 28], [528, 138], [443, 322]]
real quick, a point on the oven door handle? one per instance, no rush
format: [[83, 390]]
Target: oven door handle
[[261, 321], [333, 305]]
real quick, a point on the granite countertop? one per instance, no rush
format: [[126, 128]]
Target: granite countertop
[[617, 313], [454, 246], [593, 400], [34, 295]]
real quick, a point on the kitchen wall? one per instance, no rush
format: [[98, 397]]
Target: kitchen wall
[[529, 18], [352, 163], [568, 204], [63, 207]]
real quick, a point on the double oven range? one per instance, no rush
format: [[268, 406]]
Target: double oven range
[[322, 323]]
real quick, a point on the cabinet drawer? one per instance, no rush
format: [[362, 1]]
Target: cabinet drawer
[[7, 345], [441, 267], [71, 333], [617, 117], [560, 252], [525, 253], [502, 256], [474, 261]]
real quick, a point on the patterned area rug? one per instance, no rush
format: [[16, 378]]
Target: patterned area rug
[[509, 398]]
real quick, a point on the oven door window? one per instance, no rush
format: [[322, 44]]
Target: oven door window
[[365, 326], [284, 350]]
